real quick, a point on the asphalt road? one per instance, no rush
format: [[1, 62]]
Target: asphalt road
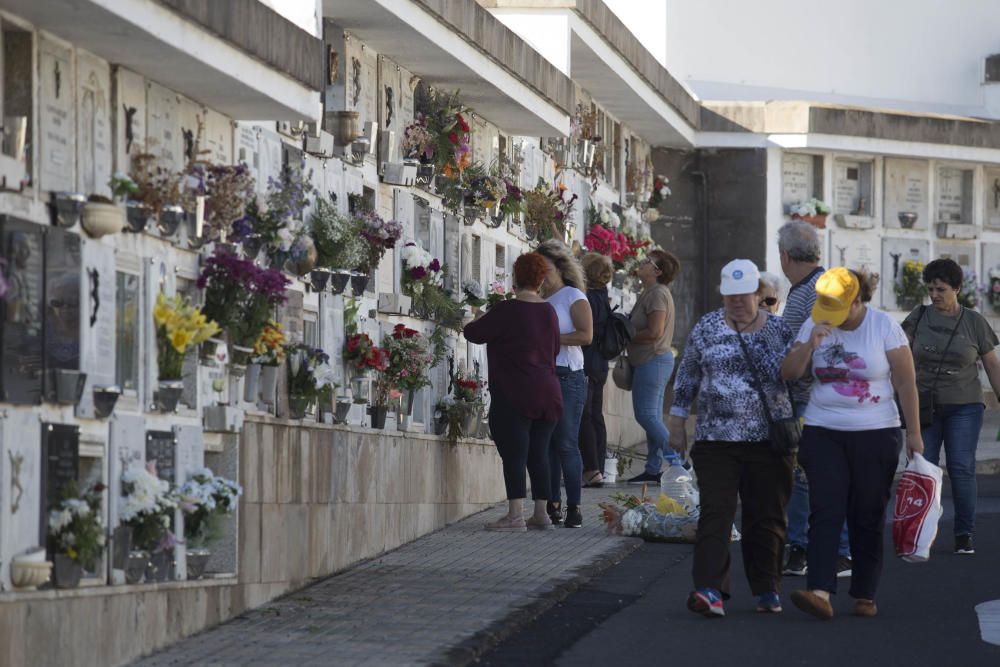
[[634, 613]]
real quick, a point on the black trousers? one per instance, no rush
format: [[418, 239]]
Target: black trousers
[[593, 432], [762, 481], [850, 476], [521, 442]]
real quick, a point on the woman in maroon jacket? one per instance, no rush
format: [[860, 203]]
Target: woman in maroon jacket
[[522, 341]]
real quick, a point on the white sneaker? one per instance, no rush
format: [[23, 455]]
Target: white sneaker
[[507, 525]]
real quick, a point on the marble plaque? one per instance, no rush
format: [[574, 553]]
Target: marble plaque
[[389, 103], [130, 111], [56, 117], [270, 157], [407, 84], [93, 125], [404, 213], [218, 137], [895, 252], [21, 311], [334, 183], [248, 148], [481, 146], [21, 472], [906, 191], [436, 235], [62, 300], [161, 451], [163, 126], [98, 308], [852, 187], [159, 277], [126, 448], [954, 195], [798, 179], [452, 249], [60, 466], [991, 218]]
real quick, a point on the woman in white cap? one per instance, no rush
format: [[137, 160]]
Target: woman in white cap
[[851, 440], [731, 362]]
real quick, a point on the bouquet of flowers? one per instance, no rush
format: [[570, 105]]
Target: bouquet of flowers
[[147, 505], [228, 188], [418, 141], [360, 352], [409, 359], [269, 350], [809, 209], [443, 117], [309, 372], [547, 211], [273, 223], [338, 238], [484, 191], [474, 295], [910, 290], [378, 236], [204, 498], [240, 296], [660, 191], [420, 269], [179, 327], [497, 292], [469, 389], [75, 525], [122, 186], [968, 294]]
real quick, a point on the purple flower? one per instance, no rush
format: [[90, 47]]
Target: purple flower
[[241, 228], [418, 273], [435, 265]]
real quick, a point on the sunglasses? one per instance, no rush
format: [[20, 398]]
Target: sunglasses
[[651, 263], [769, 301]]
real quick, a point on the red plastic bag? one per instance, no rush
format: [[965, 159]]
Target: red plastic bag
[[918, 509]]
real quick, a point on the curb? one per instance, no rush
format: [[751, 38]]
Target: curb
[[471, 649]]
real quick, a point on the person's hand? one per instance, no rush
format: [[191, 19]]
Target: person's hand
[[914, 444], [678, 436], [819, 332]]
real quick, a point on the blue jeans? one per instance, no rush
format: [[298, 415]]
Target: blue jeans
[[649, 384], [798, 508], [957, 426], [564, 449]]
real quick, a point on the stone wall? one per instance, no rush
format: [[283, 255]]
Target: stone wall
[[316, 499]]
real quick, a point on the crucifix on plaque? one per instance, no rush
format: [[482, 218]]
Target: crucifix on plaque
[[842, 250], [895, 263], [996, 193]]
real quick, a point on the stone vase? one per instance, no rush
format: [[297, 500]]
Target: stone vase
[[197, 560], [378, 414], [66, 572], [251, 383], [269, 384], [338, 281], [168, 394]]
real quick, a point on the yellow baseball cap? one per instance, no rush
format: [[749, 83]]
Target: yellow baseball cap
[[836, 290]]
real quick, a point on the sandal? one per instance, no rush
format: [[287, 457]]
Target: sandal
[[594, 481]]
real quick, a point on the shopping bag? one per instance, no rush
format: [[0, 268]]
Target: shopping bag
[[918, 509]]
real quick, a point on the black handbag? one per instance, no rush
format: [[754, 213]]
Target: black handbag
[[925, 398], [784, 434]]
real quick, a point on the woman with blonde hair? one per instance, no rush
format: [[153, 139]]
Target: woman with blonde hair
[[593, 434], [563, 289]]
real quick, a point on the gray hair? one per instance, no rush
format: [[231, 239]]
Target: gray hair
[[768, 279], [800, 240]]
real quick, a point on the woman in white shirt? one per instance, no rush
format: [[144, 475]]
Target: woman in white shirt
[[564, 290], [851, 441]]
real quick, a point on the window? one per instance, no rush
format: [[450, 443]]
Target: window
[[127, 331], [18, 87], [310, 331]]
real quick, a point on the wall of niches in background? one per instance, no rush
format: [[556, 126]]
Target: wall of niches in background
[[917, 209]]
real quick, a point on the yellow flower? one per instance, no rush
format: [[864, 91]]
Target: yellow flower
[[180, 339], [71, 552], [162, 310]]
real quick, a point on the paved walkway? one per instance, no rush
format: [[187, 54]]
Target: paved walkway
[[440, 599]]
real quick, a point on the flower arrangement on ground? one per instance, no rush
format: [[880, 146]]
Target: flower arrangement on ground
[[910, 289], [547, 211], [74, 526], [443, 117], [660, 191], [147, 506], [379, 236], [240, 296], [968, 293], [179, 327], [409, 359], [205, 498], [338, 238]]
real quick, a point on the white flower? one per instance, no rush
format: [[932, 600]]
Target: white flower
[[604, 214], [323, 376], [473, 288], [665, 191], [285, 239]]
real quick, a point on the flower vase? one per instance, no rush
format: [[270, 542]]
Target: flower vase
[[158, 567], [318, 279], [359, 283], [470, 421], [208, 349], [168, 394], [298, 406], [239, 355], [251, 383], [361, 386], [269, 384], [610, 470], [907, 303], [907, 219], [197, 560], [136, 566], [341, 409], [67, 572], [338, 281], [378, 414], [818, 221]]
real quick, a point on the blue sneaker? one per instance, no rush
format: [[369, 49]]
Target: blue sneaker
[[706, 601], [769, 603]]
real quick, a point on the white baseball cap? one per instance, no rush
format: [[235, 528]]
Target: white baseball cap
[[740, 276]]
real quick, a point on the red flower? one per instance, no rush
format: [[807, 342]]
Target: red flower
[[461, 122], [452, 137]]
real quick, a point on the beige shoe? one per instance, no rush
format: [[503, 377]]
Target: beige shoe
[[813, 604], [507, 525], [539, 523], [866, 608]]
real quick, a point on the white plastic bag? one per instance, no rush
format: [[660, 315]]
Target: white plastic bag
[[918, 510]]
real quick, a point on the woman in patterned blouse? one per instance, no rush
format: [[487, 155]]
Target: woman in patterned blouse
[[732, 455]]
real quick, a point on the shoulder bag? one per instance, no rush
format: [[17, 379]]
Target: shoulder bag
[[622, 373], [784, 433], [926, 398]]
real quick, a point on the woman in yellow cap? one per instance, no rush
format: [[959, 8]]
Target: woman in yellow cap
[[851, 441]]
